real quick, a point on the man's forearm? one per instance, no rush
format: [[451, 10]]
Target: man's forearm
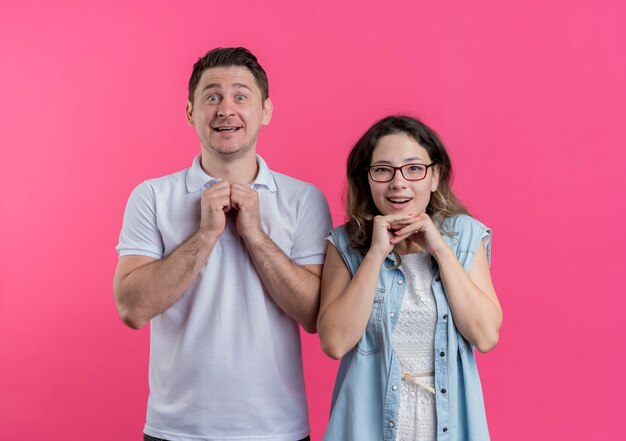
[[146, 291], [295, 289]]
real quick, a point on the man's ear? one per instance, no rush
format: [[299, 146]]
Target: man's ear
[[189, 113], [267, 111]]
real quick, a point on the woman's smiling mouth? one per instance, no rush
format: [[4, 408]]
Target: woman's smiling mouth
[[399, 200]]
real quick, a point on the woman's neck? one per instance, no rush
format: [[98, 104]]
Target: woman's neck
[[407, 246]]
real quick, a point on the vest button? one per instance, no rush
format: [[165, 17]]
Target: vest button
[[442, 354], [443, 391]]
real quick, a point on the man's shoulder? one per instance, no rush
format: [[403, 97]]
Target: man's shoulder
[[152, 189], [284, 182], [172, 179]]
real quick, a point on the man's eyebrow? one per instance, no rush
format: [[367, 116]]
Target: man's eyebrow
[[212, 86], [242, 85], [219, 86]]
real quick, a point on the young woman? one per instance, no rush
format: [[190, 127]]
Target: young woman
[[406, 295]]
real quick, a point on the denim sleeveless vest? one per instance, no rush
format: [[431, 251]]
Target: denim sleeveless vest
[[366, 400]]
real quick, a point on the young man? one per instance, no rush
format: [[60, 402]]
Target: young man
[[224, 259]]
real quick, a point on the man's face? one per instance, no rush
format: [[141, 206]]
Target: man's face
[[228, 112]]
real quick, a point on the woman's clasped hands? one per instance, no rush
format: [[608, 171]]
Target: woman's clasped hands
[[393, 229]]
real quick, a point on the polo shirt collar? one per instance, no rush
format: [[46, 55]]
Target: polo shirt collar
[[198, 180], [264, 177]]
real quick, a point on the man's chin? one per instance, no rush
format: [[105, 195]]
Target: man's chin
[[230, 151]]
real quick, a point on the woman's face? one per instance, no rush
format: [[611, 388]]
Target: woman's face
[[400, 195]]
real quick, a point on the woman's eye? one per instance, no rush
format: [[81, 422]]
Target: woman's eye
[[381, 169]]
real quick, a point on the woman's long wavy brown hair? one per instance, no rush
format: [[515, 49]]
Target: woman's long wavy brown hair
[[360, 206]]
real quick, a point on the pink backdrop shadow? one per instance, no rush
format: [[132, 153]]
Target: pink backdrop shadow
[[529, 99]]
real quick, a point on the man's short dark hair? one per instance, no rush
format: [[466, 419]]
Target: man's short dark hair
[[229, 56]]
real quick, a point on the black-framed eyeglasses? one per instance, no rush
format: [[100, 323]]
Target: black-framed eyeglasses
[[410, 172]]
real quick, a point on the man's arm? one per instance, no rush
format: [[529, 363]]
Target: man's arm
[[295, 288], [144, 287]]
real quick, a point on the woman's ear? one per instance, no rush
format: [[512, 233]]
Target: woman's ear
[[435, 182]]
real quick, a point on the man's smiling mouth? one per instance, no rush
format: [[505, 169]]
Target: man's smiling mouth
[[226, 128]]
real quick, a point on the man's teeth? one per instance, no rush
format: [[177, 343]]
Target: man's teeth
[[226, 129]]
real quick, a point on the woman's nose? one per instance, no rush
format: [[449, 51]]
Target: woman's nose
[[398, 180]]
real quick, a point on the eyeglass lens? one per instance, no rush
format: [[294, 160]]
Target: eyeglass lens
[[410, 172]]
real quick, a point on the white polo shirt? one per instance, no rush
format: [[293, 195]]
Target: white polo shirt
[[225, 361]]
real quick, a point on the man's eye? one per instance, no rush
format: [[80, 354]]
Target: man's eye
[[212, 98], [240, 97]]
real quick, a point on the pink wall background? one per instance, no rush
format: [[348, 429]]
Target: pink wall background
[[529, 98]]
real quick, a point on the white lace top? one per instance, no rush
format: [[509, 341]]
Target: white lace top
[[413, 342]]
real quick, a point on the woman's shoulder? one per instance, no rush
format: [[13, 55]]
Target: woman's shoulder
[[341, 240], [339, 231], [461, 223], [463, 232], [340, 237]]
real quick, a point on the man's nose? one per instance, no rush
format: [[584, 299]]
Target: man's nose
[[225, 109]]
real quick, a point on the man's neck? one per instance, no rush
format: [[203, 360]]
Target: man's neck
[[241, 170]]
